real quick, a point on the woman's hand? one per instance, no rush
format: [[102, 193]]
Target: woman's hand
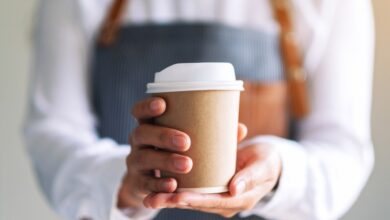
[[259, 168], [144, 159]]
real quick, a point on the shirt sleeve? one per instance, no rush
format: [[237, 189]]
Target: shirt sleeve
[[78, 171], [325, 170]]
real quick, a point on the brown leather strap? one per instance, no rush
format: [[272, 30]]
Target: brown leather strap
[[112, 22], [292, 59], [295, 74]]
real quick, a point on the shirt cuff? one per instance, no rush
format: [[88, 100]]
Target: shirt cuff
[[292, 182]]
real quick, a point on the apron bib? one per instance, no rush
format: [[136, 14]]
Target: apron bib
[[126, 59]]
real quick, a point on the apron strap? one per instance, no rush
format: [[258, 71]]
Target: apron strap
[[292, 58], [112, 22]]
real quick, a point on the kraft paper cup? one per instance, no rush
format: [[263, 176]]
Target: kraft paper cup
[[202, 101]]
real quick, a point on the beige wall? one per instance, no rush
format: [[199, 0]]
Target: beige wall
[[19, 196]]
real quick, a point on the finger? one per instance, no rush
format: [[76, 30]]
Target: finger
[[222, 204], [207, 201], [150, 159], [160, 137], [159, 200], [242, 131], [150, 184], [171, 200], [149, 108], [251, 176]]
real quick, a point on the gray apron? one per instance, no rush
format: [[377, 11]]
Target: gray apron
[[120, 72]]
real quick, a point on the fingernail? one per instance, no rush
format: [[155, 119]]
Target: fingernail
[[166, 185], [180, 163], [154, 105], [240, 188], [179, 141]]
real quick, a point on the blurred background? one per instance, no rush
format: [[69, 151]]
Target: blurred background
[[19, 195]]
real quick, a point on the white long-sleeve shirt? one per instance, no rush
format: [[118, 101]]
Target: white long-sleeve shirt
[[323, 172]]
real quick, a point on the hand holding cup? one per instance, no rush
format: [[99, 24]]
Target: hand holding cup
[[140, 180], [153, 148]]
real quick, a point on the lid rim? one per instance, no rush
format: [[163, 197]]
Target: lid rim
[[194, 86]]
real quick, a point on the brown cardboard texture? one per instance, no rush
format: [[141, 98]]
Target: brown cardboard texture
[[210, 118]]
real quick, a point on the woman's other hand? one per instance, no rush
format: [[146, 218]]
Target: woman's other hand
[[258, 171]]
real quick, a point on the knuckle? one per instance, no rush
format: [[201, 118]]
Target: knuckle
[[137, 187], [135, 109], [177, 198], [137, 132], [140, 159], [141, 187], [161, 185], [145, 187], [132, 172], [130, 160], [169, 161], [221, 204], [146, 105], [154, 204], [133, 138], [156, 186], [164, 136], [161, 161], [132, 169]]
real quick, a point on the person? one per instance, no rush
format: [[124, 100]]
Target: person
[[78, 121]]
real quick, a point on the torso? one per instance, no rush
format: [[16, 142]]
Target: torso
[[121, 70]]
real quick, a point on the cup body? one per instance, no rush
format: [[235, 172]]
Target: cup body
[[210, 118]]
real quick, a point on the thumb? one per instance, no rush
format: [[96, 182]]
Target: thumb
[[246, 179], [242, 132]]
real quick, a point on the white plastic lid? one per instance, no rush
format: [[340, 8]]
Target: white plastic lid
[[195, 77]]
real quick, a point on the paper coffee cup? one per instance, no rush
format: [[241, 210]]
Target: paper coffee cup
[[202, 101]]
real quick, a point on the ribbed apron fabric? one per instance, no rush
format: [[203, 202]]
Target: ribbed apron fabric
[[120, 72]]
